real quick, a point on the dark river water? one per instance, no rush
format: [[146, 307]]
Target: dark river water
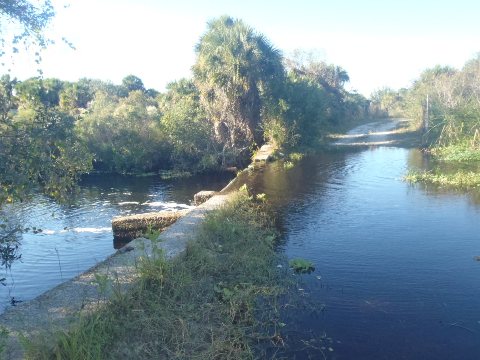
[[395, 272], [78, 235]]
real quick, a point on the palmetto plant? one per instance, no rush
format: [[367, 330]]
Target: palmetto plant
[[236, 69]]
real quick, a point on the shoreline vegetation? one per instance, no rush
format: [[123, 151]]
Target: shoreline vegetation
[[220, 299], [460, 179], [454, 166], [444, 103], [242, 93]]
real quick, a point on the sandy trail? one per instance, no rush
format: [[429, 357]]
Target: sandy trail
[[385, 132]]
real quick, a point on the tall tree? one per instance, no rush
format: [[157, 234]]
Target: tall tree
[[39, 148], [133, 83], [7, 99], [329, 77], [187, 128], [235, 69]]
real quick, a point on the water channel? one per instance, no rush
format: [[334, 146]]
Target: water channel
[[395, 271]]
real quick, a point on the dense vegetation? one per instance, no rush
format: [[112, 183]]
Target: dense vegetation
[[453, 109], [445, 103], [243, 93]]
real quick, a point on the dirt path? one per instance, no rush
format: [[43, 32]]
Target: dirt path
[[384, 132]]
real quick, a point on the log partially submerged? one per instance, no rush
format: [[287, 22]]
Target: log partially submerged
[[127, 228]]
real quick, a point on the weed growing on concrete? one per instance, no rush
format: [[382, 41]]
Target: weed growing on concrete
[[151, 233]]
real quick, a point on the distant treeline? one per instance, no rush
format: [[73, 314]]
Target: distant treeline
[[447, 102], [243, 92]]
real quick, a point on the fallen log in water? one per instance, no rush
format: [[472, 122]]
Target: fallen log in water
[[127, 228]]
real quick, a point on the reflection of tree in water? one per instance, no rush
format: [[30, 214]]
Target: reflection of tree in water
[[9, 252], [9, 246]]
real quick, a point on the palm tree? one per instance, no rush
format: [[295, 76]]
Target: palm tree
[[236, 69]]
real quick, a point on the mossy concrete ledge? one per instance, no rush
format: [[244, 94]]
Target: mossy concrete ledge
[[133, 226], [202, 196], [59, 308], [264, 154]]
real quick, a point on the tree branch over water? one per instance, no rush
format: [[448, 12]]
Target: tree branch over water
[[22, 25]]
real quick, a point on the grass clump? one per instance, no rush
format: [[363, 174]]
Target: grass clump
[[292, 159], [460, 179], [3, 339], [296, 156], [301, 266], [461, 152], [216, 301]]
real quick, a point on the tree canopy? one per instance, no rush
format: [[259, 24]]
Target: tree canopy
[[53, 131], [235, 69], [133, 83]]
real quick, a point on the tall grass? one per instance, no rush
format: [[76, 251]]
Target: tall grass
[[216, 301]]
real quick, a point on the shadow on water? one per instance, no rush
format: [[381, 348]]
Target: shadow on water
[[395, 272]]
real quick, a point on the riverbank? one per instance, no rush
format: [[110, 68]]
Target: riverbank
[[454, 166], [61, 308], [202, 303]]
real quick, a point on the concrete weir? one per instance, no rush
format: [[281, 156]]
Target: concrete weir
[[264, 154], [59, 307], [130, 227]]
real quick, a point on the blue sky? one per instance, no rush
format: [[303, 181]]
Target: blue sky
[[379, 43]]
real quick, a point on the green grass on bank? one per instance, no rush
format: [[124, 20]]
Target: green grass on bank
[[461, 152], [460, 179], [457, 167], [217, 301]]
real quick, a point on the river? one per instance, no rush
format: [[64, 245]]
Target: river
[[395, 272], [78, 235]]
